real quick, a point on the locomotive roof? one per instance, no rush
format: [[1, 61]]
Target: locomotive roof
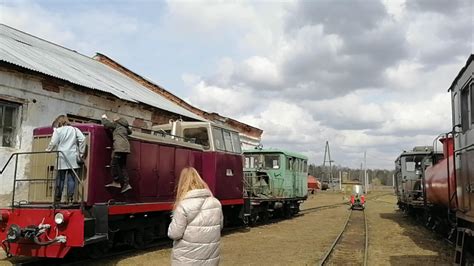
[[461, 72], [276, 150], [167, 126], [419, 151]]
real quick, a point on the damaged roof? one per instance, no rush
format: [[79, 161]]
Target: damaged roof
[[30, 52]]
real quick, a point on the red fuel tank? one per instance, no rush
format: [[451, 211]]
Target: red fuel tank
[[437, 178]]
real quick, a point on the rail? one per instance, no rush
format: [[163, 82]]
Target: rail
[[324, 260], [15, 179]]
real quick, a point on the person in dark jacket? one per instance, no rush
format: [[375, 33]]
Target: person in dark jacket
[[120, 131]]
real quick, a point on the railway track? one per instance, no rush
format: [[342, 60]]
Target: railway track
[[351, 245]]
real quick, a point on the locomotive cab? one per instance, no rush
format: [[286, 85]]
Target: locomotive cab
[[409, 182], [276, 182]]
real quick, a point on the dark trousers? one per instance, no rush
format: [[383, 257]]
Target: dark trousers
[[71, 184], [118, 167]]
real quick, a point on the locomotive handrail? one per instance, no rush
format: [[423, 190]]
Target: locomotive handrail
[[464, 148], [15, 180]]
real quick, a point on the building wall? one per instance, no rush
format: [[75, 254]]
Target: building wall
[[41, 99]]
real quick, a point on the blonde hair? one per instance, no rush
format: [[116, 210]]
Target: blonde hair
[[189, 179], [61, 121]]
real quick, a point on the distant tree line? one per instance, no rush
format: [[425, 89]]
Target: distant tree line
[[376, 176]]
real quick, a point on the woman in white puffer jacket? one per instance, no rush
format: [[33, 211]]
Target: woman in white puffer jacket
[[197, 222]]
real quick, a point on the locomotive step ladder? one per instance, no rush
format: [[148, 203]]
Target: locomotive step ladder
[[460, 250]]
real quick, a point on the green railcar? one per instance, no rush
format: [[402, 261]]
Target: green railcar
[[275, 182]]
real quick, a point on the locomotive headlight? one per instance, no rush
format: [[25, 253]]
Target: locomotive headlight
[[59, 218], [62, 217]]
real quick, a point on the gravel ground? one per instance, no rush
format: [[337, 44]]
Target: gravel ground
[[393, 239]]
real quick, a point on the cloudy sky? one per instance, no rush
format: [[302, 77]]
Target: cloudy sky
[[366, 75]]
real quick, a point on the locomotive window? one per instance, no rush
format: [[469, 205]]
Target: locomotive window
[[465, 109], [249, 162], [197, 135], [228, 141], [218, 138], [410, 164], [296, 165], [252, 161], [236, 142], [8, 123], [272, 161]]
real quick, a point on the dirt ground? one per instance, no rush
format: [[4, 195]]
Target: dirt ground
[[393, 239]]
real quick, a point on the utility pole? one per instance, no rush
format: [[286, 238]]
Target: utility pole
[[327, 158], [366, 178], [340, 180]]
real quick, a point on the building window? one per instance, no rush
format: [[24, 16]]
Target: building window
[[77, 119], [465, 109], [8, 123], [472, 103]]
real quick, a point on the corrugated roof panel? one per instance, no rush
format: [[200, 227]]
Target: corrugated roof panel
[[27, 51]]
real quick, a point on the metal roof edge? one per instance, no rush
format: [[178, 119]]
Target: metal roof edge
[[461, 72]]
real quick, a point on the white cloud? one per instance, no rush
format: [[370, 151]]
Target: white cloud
[[367, 75], [34, 19], [231, 102]]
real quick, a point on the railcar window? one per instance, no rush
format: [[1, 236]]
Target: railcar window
[[272, 162], [410, 164], [296, 166], [305, 167], [249, 162], [218, 138], [228, 141], [8, 123], [197, 135], [236, 142], [465, 109]]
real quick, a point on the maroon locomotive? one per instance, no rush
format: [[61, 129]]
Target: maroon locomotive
[[100, 216]]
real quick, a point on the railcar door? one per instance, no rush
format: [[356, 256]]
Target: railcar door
[[148, 170], [166, 173]]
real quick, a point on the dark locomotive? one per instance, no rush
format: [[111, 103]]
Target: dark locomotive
[[438, 187]]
